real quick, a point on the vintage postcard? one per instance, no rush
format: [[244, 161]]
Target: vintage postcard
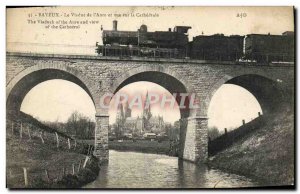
[[150, 97]]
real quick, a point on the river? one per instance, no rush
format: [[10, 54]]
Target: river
[[139, 170]]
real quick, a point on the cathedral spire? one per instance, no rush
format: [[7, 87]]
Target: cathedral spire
[[120, 113], [147, 102], [147, 110], [127, 110]]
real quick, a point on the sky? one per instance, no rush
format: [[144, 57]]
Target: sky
[[230, 105], [56, 99]]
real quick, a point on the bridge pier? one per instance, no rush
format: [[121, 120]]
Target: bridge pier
[[195, 145], [101, 138]]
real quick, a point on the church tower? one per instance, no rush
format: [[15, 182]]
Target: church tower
[[120, 114], [147, 108], [119, 120], [127, 111], [147, 114]]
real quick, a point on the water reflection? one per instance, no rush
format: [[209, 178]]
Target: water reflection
[[138, 170]]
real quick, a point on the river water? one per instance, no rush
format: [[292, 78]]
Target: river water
[[139, 170]]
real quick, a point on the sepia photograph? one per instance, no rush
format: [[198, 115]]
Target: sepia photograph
[[150, 97]]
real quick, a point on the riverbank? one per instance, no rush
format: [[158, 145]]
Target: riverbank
[[144, 146], [85, 175], [267, 153]]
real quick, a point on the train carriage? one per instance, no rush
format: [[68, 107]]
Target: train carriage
[[217, 47], [270, 48]]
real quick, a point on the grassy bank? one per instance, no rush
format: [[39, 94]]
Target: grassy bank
[[37, 158], [32, 150], [267, 153]]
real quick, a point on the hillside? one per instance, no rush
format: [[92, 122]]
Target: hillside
[[25, 118], [35, 148], [267, 153]]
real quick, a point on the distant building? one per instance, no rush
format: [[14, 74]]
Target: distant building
[[145, 123], [288, 33]]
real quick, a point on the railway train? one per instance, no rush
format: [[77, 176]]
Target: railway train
[[175, 44], [266, 47]]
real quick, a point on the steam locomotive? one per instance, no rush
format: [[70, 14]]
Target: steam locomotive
[[175, 44], [165, 44]]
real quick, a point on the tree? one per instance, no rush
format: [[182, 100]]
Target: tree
[[213, 132], [71, 125], [80, 126]]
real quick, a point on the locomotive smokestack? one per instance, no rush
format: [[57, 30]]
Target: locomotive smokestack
[[115, 25]]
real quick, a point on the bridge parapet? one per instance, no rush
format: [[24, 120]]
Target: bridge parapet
[[145, 59]]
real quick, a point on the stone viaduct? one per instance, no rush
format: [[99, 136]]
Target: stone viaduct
[[271, 84]]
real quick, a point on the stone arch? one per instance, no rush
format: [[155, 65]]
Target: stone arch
[[24, 81], [267, 91], [174, 83], [163, 76]]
